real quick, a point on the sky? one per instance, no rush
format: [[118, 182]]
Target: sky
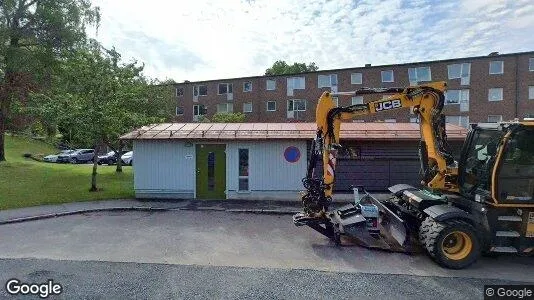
[[202, 39]]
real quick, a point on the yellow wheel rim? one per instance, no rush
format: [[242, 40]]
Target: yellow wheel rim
[[457, 245]]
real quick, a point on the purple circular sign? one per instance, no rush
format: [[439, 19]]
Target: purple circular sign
[[292, 154]]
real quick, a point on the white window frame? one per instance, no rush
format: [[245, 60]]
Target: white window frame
[[385, 72], [267, 105], [293, 102], [231, 105], [196, 89], [248, 172], [267, 84], [296, 79], [414, 120], [416, 71], [495, 89], [336, 101], [179, 88], [359, 78], [531, 92], [447, 95], [460, 118], [493, 62], [176, 111], [498, 116], [227, 88], [531, 64], [244, 86], [464, 75], [357, 100], [245, 104], [331, 78], [198, 108]]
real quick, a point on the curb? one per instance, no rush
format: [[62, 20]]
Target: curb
[[143, 208]]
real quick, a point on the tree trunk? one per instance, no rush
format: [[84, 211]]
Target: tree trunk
[[119, 160], [2, 134], [94, 188]]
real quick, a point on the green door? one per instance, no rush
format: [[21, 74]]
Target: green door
[[211, 171]]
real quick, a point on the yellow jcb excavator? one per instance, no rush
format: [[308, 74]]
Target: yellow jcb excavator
[[483, 203]]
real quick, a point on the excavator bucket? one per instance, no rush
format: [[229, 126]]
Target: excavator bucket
[[369, 223]]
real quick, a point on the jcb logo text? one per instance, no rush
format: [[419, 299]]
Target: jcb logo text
[[389, 104]]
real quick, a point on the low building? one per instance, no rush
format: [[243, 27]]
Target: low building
[[268, 160]]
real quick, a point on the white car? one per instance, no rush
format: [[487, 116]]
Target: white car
[[53, 157], [127, 158]]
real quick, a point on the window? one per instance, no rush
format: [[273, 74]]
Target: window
[[495, 94], [271, 105], [225, 107], [516, 176], [225, 88], [200, 90], [496, 67], [458, 120], [179, 91], [336, 101], [247, 86], [494, 118], [462, 71], [387, 76], [271, 85], [452, 97], [326, 80], [199, 110], [531, 64], [357, 100], [390, 120], [531, 92], [296, 105], [419, 74], [179, 111], [247, 107], [414, 120], [243, 170], [356, 78], [458, 97], [295, 83]]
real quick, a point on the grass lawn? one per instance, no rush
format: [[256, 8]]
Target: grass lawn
[[25, 182]]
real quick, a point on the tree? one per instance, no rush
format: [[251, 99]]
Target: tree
[[33, 35], [225, 117], [98, 98], [280, 67]]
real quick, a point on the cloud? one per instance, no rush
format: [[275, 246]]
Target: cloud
[[203, 39]]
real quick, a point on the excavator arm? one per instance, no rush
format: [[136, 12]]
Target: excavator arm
[[438, 166]]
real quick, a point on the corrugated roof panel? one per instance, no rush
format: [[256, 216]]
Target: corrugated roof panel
[[260, 131]]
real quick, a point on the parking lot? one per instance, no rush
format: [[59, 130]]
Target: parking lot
[[223, 239]]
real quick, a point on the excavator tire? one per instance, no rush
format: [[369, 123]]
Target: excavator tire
[[452, 244]]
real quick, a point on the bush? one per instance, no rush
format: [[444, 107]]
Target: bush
[[229, 118]]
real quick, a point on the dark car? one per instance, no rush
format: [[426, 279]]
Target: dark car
[[109, 158]]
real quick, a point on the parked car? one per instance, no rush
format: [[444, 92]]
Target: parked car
[[127, 158], [78, 156], [109, 158], [53, 157]]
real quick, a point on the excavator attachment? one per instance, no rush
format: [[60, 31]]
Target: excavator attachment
[[368, 223]]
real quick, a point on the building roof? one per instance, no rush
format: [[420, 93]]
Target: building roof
[[267, 131], [463, 59]]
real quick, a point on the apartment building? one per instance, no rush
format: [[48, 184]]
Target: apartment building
[[481, 89]]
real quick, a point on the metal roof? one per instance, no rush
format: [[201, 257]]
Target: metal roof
[[264, 131]]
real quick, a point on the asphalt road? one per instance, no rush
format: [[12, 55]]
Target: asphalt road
[[195, 254], [106, 280]]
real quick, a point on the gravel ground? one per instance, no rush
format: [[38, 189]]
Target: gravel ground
[[107, 280]]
